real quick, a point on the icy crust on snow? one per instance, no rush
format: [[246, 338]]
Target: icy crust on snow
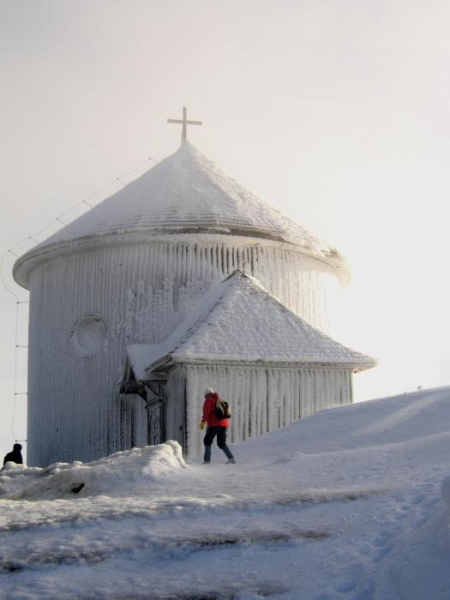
[[239, 321], [130, 469], [362, 490], [188, 193]]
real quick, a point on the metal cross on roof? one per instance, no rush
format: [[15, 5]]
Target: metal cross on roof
[[184, 122]]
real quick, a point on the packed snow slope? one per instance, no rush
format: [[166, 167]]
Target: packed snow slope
[[351, 503]]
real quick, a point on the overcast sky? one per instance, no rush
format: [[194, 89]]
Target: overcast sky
[[336, 111]]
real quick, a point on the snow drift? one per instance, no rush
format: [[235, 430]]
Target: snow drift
[[362, 490], [131, 470]]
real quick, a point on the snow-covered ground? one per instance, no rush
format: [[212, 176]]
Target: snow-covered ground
[[351, 503]]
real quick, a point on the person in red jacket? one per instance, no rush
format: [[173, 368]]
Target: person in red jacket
[[216, 427]]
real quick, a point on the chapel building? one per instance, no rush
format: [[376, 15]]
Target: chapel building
[[182, 280]]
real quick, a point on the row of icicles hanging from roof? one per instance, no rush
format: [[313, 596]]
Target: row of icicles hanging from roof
[[22, 302]]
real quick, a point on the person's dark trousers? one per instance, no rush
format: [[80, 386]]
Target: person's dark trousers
[[211, 433]]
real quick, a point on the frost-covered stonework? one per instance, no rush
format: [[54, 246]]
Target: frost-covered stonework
[[130, 272]]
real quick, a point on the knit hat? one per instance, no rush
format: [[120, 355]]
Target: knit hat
[[208, 391]]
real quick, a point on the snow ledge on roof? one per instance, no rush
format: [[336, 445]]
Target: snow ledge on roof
[[237, 321]]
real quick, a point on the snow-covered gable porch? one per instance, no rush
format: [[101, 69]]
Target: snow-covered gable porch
[[269, 363]]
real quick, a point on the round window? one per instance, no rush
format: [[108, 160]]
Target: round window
[[89, 334]]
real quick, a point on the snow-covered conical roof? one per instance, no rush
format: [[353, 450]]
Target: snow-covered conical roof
[[184, 194]]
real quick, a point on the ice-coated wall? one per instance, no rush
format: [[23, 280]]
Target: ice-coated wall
[[262, 398], [86, 307]]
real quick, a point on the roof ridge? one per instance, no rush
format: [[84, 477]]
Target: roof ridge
[[321, 347]]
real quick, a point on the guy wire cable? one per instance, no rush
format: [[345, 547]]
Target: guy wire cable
[[32, 238]]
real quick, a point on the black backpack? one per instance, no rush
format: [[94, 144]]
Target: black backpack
[[222, 409]]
